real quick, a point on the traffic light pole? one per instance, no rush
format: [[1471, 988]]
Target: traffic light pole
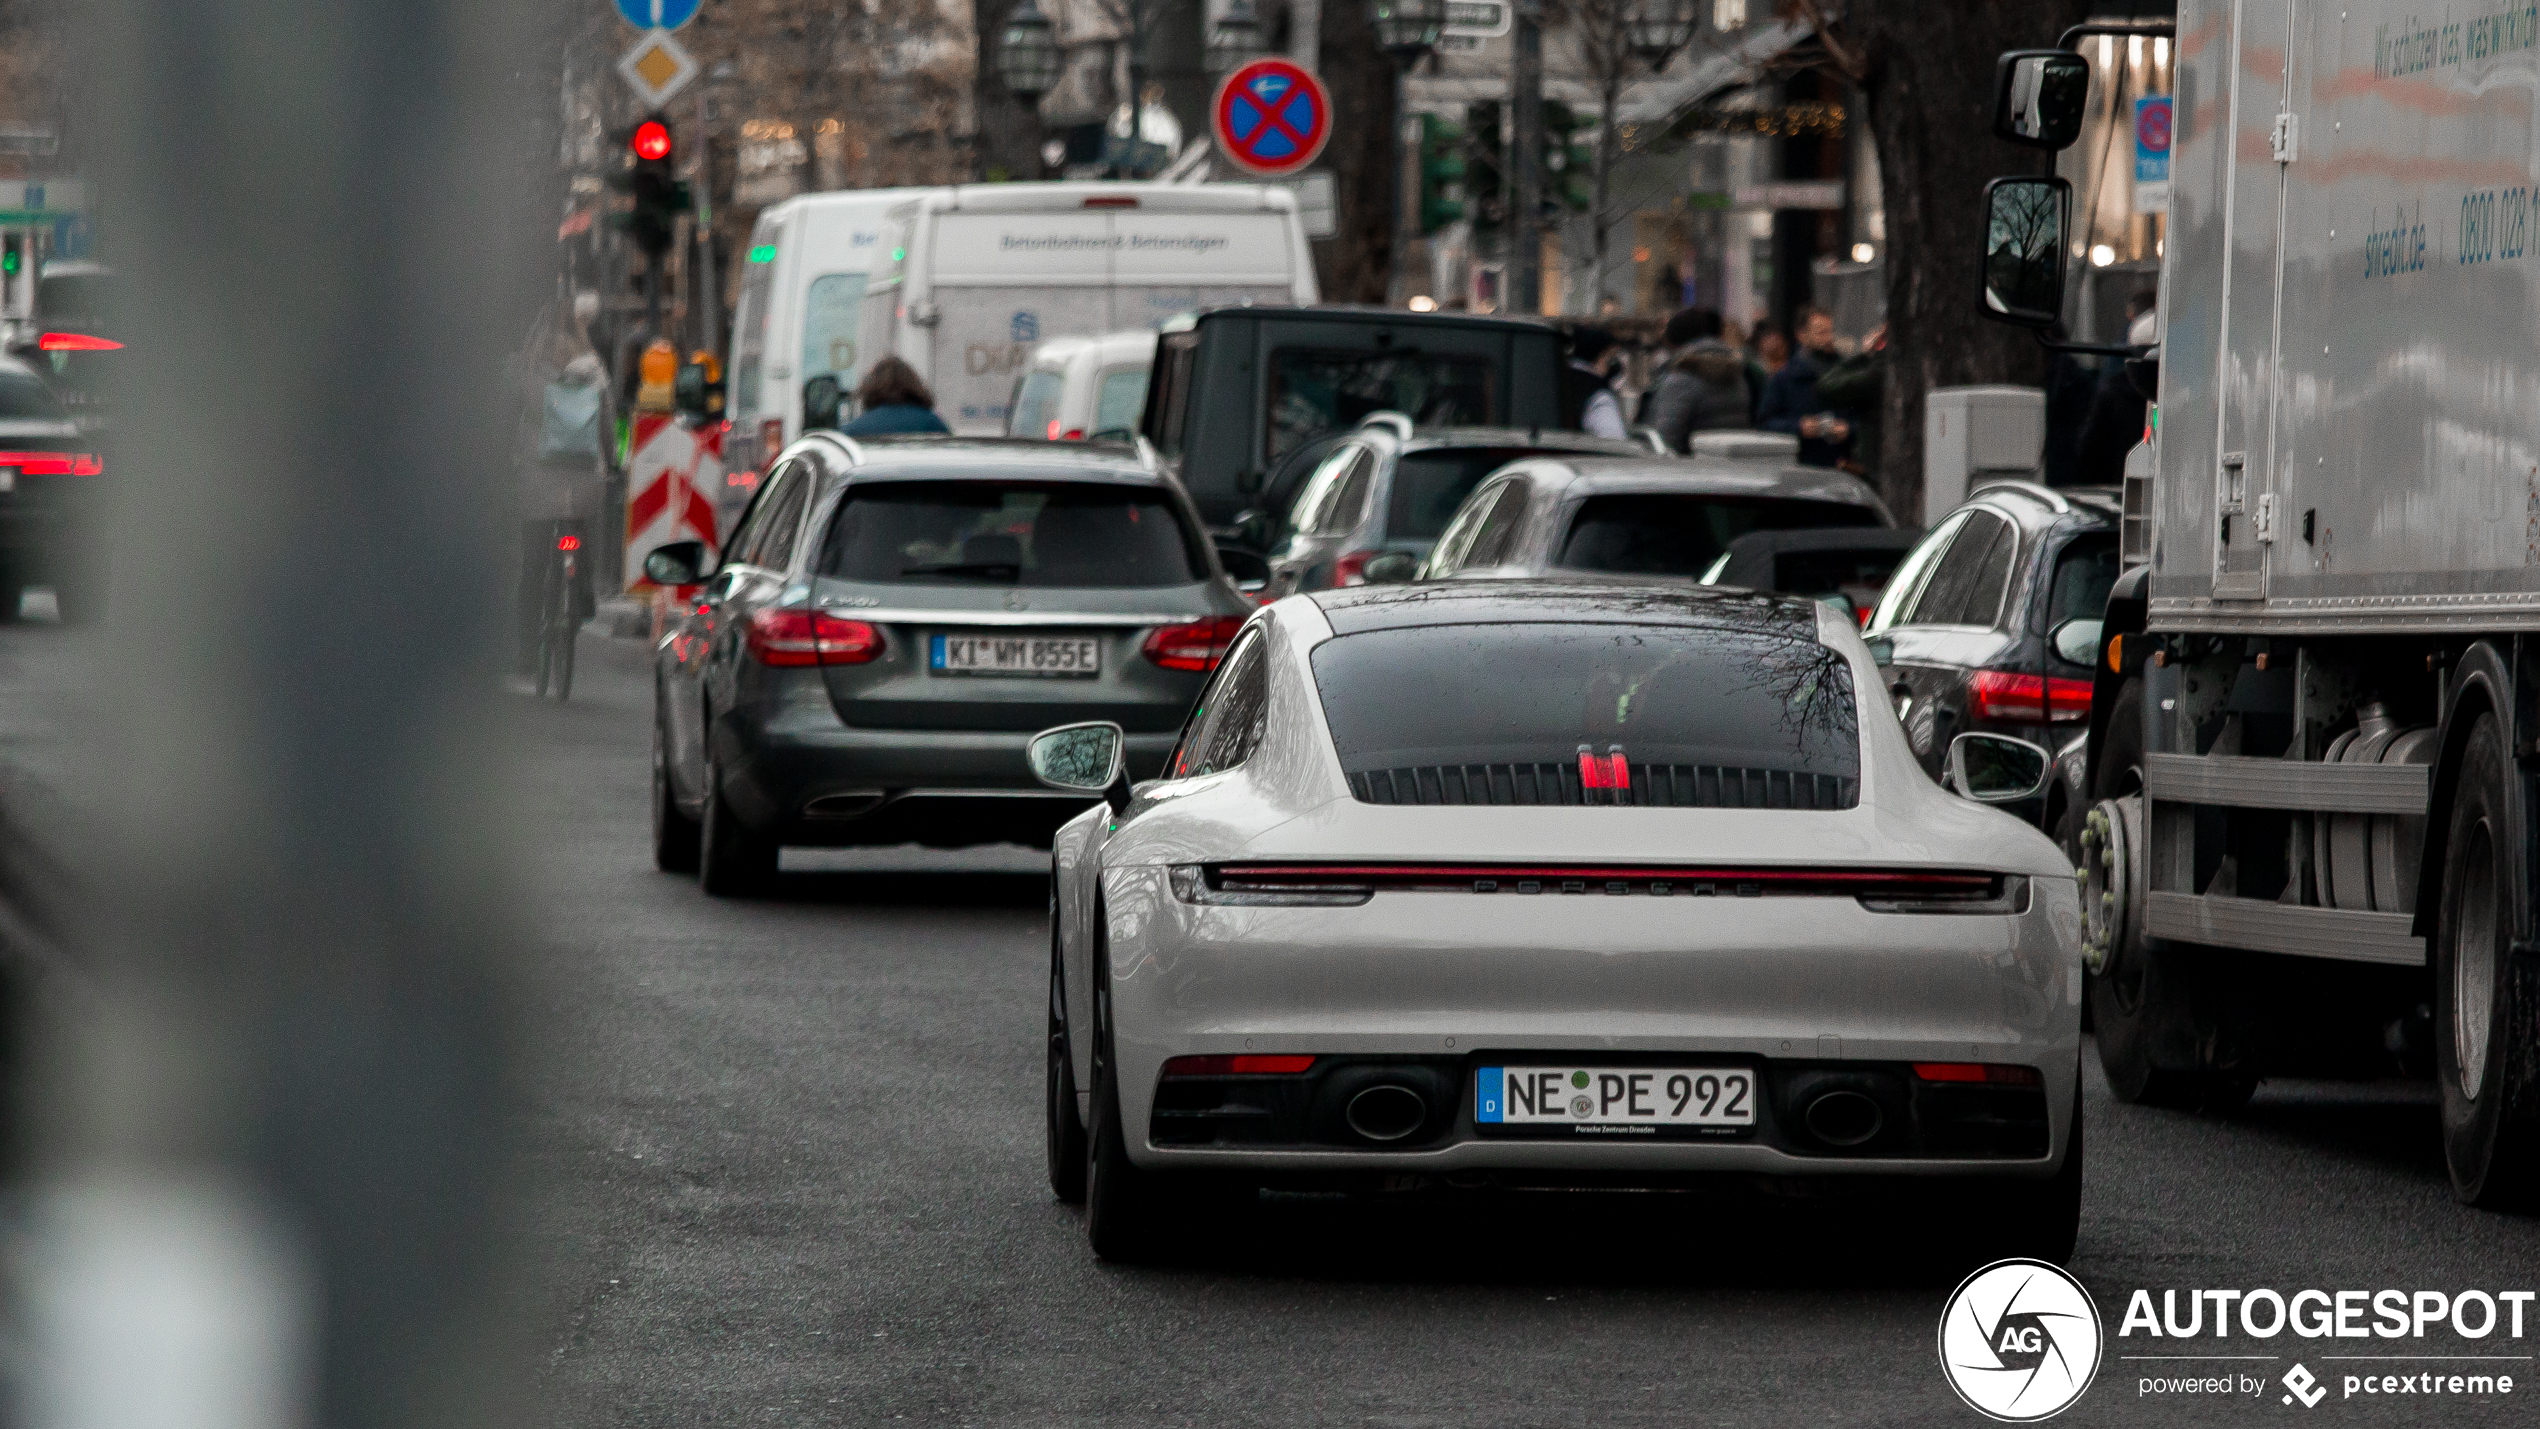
[[1525, 153], [1406, 185]]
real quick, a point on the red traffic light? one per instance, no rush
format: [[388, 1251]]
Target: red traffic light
[[651, 141]]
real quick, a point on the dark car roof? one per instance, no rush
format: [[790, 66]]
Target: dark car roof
[[1363, 313], [992, 458], [1751, 557], [1355, 609]]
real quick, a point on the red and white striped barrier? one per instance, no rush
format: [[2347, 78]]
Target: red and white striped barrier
[[670, 485]]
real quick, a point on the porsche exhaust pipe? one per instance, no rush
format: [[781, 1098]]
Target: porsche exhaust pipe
[[1843, 1118], [1389, 1111]]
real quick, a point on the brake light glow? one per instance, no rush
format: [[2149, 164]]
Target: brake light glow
[[1196, 646], [1238, 1065], [76, 342], [1352, 568], [1112, 201], [2007, 697], [1998, 1074], [1658, 879], [53, 463], [792, 638], [568, 543], [1604, 771]]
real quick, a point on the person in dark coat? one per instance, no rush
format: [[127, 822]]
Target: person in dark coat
[[1855, 390], [1704, 387], [896, 402], [1790, 400], [2115, 421]]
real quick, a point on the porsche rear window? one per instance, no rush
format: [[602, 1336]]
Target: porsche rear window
[[1543, 713], [1681, 534]]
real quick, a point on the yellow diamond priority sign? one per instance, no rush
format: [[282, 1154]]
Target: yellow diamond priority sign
[[658, 67]]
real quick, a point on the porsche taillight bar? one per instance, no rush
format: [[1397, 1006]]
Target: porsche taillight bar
[[1658, 879]]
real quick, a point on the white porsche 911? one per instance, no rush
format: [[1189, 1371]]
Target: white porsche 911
[[1545, 883]]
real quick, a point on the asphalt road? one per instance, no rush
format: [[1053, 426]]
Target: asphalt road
[[789, 1173]]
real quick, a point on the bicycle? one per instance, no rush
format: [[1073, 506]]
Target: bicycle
[[561, 620]]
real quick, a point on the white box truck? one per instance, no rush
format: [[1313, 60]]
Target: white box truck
[[970, 279], [801, 296], [2304, 808]]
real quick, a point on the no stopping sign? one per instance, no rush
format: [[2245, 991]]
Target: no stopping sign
[[1272, 117]]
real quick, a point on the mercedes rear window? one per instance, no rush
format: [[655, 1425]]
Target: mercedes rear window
[[1428, 486], [1544, 713], [1681, 534], [1069, 534]]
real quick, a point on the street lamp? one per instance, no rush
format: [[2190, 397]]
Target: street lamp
[[1027, 53], [1235, 41], [1408, 29], [1659, 28]]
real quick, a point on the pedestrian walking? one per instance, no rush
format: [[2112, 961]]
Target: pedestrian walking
[[1704, 385], [896, 402], [1588, 399]]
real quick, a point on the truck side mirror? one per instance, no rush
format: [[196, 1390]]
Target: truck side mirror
[[2024, 222], [820, 403], [2039, 97]]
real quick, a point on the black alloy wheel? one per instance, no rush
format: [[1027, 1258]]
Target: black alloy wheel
[[2485, 997], [1065, 1130], [1122, 1209], [731, 860], [675, 835], [2155, 1010]]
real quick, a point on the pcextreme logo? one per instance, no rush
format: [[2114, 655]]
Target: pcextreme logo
[[2019, 1341]]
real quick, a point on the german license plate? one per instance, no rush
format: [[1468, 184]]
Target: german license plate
[[1063, 656], [1616, 1101]]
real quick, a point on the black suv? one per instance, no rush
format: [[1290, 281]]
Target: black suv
[[1236, 389], [1993, 621]]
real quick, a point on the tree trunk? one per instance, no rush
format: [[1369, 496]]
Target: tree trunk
[[1927, 74], [1354, 265], [1009, 130]]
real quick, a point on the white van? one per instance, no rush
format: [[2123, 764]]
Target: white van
[[970, 279], [1084, 388], [802, 291]]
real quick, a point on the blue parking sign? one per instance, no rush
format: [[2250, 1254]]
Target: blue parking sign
[[658, 14]]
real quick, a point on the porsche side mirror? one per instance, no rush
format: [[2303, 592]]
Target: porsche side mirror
[[1391, 568], [1090, 758], [2024, 223], [677, 564], [1997, 769], [2040, 97]]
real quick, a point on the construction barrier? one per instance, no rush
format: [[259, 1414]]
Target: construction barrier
[[671, 481]]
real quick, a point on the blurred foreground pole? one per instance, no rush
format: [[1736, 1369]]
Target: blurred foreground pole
[[275, 1162]]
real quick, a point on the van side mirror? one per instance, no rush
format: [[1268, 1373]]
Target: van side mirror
[[2024, 221], [1997, 769], [820, 403], [2039, 98]]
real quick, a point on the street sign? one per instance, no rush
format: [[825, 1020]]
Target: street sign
[[2152, 154], [658, 14], [1271, 117], [658, 67]]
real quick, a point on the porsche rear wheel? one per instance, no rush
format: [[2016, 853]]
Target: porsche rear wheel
[[1123, 1213], [1065, 1134]]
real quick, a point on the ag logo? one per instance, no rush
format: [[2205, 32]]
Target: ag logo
[[2019, 1340]]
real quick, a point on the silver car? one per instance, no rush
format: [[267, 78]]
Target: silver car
[[1529, 883], [1388, 488], [1652, 516], [890, 623]]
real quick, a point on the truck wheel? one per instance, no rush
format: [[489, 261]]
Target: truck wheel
[[2484, 1001], [2154, 1009]]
